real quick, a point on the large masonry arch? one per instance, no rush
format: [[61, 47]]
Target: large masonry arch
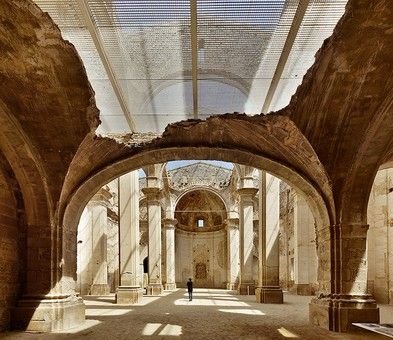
[[91, 185]]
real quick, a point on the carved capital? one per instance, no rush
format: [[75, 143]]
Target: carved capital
[[102, 197], [251, 192], [152, 194], [169, 223], [232, 223]]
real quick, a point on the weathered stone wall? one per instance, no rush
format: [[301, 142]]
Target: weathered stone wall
[[380, 237], [11, 243]]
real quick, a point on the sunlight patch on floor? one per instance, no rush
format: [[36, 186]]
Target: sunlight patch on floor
[[160, 329], [243, 311], [210, 302], [287, 334], [106, 311]]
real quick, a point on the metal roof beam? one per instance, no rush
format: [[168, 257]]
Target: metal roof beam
[[297, 21], [84, 8], [194, 55]]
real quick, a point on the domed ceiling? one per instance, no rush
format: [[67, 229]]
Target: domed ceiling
[[200, 211]]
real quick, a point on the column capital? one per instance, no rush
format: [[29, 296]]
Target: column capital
[[152, 194], [232, 223], [169, 223], [102, 197], [247, 191]]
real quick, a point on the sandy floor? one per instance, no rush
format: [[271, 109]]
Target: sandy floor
[[213, 314]]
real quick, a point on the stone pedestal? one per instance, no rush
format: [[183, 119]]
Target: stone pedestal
[[246, 288], [232, 286], [269, 294], [303, 289], [48, 314], [170, 286], [154, 289], [338, 314], [128, 295], [348, 302]]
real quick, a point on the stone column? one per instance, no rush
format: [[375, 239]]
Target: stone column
[[269, 290], [232, 227], [169, 228], [154, 229], [98, 220], [346, 300], [305, 257], [247, 284], [129, 290]]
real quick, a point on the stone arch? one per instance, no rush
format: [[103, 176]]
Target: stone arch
[[85, 191]]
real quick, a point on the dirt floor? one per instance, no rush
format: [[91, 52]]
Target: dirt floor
[[212, 314]]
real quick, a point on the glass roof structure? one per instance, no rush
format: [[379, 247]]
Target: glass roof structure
[[154, 62]]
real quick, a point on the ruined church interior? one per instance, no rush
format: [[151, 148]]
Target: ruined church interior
[[246, 145]]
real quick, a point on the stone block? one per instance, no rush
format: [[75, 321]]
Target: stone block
[[339, 314], [269, 295], [246, 289], [232, 286], [154, 289], [128, 295], [303, 289], [170, 286]]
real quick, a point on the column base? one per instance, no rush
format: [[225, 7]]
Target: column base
[[128, 295], [246, 288], [269, 294], [337, 313], [232, 286], [303, 289], [170, 286], [49, 314], [99, 289], [154, 289]]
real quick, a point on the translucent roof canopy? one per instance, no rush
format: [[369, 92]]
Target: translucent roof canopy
[[154, 62]]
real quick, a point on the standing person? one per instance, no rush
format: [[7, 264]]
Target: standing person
[[189, 288]]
